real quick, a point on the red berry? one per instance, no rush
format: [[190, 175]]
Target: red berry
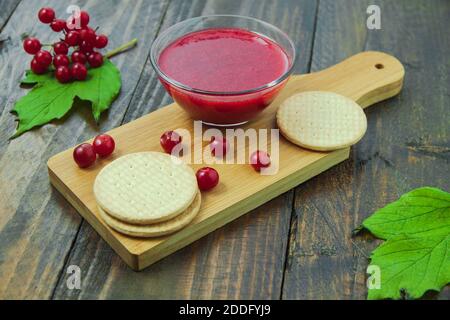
[[207, 178], [58, 25], [37, 68], [61, 60], [61, 48], [88, 35], [72, 38], [86, 47], [31, 45], [84, 155], [84, 18], [78, 23], [46, 15], [219, 146], [169, 140], [259, 160], [62, 74], [104, 145], [70, 25], [44, 58], [95, 59], [101, 41], [78, 56], [78, 71]]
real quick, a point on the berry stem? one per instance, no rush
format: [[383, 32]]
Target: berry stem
[[122, 48]]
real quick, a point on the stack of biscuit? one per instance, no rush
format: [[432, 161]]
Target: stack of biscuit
[[147, 194]]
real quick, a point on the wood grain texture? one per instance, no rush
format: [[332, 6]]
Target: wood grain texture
[[37, 226], [406, 145], [245, 259]]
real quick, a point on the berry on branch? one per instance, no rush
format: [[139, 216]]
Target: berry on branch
[[44, 58], [88, 35], [58, 25], [86, 48], [37, 68], [78, 71], [78, 56], [95, 59], [72, 38], [62, 74], [84, 19], [61, 48], [101, 41]]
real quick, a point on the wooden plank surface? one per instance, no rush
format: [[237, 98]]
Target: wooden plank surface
[[406, 145], [37, 226], [245, 259]]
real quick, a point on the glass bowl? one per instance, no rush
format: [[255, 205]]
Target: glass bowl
[[223, 108]]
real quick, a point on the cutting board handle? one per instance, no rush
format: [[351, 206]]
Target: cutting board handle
[[367, 77]]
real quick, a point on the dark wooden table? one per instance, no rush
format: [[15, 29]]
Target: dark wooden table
[[297, 246]]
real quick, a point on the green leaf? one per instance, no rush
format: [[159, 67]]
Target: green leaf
[[50, 100], [411, 266], [416, 255]]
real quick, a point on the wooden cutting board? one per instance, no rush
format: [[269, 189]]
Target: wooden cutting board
[[367, 78]]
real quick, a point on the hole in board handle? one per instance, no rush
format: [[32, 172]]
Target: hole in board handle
[[379, 66]]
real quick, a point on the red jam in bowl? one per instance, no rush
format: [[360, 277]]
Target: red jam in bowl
[[220, 71]]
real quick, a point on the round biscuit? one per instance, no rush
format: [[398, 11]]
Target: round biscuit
[[321, 121], [145, 187], [157, 229]]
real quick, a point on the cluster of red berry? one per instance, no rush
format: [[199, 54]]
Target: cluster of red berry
[[79, 36]]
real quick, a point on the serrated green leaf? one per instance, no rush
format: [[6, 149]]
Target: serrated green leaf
[[416, 255], [49, 100]]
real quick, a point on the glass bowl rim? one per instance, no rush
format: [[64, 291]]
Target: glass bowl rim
[[165, 77]]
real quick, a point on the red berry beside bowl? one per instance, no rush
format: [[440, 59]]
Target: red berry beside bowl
[[260, 160]]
